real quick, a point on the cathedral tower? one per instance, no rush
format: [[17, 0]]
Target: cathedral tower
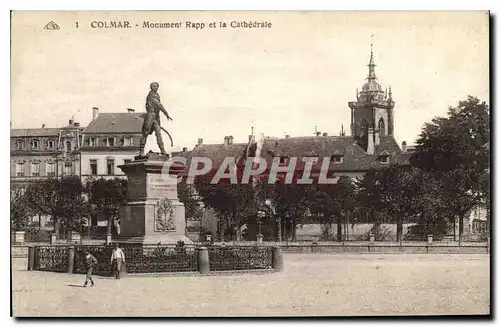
[[372, 112]]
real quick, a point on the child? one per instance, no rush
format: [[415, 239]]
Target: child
[[90, 263]]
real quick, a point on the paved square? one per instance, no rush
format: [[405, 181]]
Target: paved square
[[311, 285]]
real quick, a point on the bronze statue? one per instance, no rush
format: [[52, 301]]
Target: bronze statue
[[152, 119]]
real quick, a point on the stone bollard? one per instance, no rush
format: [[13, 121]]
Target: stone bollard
[[277, 262], [429, 239], [259, 239], [53, 238], [71, 258], [31, 257], [203, 260], [108, 239]]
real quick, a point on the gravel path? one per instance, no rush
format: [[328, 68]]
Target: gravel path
[[310, 285]]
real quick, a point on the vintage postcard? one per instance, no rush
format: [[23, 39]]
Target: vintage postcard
[[250, 164]]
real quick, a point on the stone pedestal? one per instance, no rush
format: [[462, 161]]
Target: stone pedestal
[[153, 212]]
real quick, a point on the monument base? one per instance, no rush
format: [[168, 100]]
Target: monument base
[[153, 213]]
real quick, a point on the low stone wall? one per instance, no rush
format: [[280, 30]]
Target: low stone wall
[[19, 251], [349, 248]]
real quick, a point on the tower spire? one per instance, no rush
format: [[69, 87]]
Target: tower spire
[[371, 65]]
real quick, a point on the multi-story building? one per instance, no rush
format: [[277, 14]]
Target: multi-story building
[[38, 153], [110, 140]]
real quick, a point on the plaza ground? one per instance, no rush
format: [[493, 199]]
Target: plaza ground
[[310, 285]]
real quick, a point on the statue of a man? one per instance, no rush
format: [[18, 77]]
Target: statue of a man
[[152, 119]]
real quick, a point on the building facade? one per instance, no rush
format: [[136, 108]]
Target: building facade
[[110, 140], [39, 153]]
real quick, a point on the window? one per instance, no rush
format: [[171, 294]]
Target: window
[[381, 127], [35, 169], [51, 169], [51, 144], [128, 141], [20, 144], [35, 144], [110, 166], [68, 168], [337, 158], [111, 141], [93, 167], [127, 161], [384, 159], [68, 146], [93, 141], [20, 169]]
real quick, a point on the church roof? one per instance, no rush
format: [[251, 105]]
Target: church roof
[[354, 157]]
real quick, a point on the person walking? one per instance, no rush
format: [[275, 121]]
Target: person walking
[[90, 263], [117, 259]]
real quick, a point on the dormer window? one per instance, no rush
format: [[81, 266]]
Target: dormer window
[[51, 144], [337, 158], [20, 144], [110, 141], [128, 141], [384, 157], [93, 141], [35, 144], [68, 146]]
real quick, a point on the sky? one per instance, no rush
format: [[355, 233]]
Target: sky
[[288, 79]]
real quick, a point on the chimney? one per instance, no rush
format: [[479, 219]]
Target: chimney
[[184, 149], [130, 110], [287, 136], [318, 133], [200, 141], [325, 134], [77, 124], [370, 148], [95, 112], [226, 140], [230, 140], [43, 125], [403, 147], [377, 137]]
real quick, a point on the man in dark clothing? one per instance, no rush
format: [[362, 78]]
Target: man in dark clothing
[[90, 263]]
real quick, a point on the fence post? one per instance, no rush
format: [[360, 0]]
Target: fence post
[[31, 257], [277, 259], [71, 258], [53, 238], [203, 260]]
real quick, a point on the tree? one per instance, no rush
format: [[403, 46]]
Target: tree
[[391, 191], [333, 203], [232, 203], [187, 195], [106, 196], [62, 199], [19, 211], [452, 148]]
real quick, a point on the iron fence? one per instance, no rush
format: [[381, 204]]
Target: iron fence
[[239, 258], [51, 258], [154, 259]]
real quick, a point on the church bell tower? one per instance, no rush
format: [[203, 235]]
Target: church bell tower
[[372, 112]]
